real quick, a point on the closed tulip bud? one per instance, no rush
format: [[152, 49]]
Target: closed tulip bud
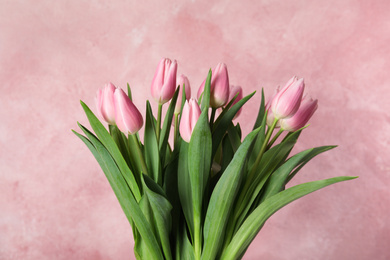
[[219, 86], [105, 103], [189, 117], [182, 81], [128, 119], [164, 81], [286, 102], [301, 117], [234, 90]]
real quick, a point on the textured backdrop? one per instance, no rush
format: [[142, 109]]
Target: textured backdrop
[[55, 202]]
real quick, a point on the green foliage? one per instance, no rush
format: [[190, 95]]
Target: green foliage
[[206, 199]]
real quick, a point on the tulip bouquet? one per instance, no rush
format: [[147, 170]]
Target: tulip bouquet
[[207, 194]]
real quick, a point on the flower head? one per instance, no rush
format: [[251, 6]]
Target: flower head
[[190, 115], [286, 102], [105, 103], [219, 86], [164, 81], [301, 117], [128, 118]]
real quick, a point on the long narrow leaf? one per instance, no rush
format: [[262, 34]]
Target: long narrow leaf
[[167, 126], [151, 153], [122, 192], [222, 199], [257, 218], [161, 210], [113, 149], [220, 129]]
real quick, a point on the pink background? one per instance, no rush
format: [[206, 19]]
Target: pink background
[[55, 202]]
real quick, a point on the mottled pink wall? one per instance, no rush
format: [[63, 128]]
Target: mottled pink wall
[[55, 202]]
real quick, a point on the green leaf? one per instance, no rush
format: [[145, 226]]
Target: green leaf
[[167, 127], [184, 186], [261, 114], [206, 93], [161, 212], [278, 179], [222, 199], [223, 123], [199, 163], [271, 160], [122, 191], [129, 92], [314, 153], [151, 150], [257, 218], [113, 149]]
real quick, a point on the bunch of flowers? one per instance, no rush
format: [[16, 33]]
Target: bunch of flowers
[[208, 194]]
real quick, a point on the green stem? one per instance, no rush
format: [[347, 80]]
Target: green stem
[[176, 130], [274, 138], [159, 122], [140, 155], [262, 150], [213, 110], [197, 237]]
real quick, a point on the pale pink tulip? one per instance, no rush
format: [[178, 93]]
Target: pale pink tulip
[[182, 81], [105, 103], [164, 81], [219, 86], [189, 117], [286, 102], [232, 93], [301, 117], [128, 119]]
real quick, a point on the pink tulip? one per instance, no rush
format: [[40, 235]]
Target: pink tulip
[[301, 117], [164, 81], [232, 93], [189, 117], [286, 102], [182, 81], [219, 86], [128, 119], [105, 103]]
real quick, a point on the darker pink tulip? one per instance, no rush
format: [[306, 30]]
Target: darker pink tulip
[[128, 119], [189, 117], [182, 81], [164, 81], [219, 86], [301, 117], [287, 101], [105, 103]]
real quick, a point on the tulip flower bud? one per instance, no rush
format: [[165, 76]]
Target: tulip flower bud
[[164, 81], [128, 119], [105, 103], [232, 93], [189, 116], [219, 86], [301, 117], [286, 102], [182, 81]]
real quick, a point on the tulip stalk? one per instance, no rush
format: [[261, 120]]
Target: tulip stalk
[[158, 128]]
